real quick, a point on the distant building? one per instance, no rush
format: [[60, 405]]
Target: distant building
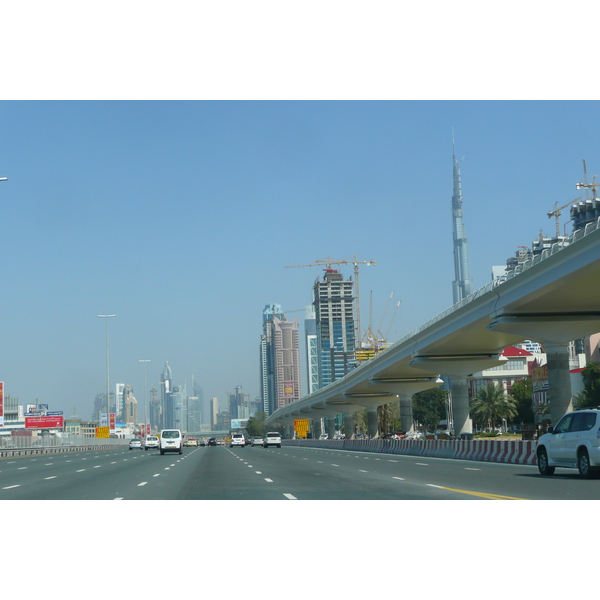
[[130, 406], [312, 350]]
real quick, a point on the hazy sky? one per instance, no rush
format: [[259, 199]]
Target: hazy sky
[[180, 216]]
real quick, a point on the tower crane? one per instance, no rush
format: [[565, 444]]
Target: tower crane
[[556, 212], [594, 186], [328, 262]]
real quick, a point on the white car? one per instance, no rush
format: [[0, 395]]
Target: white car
[[237, 439], [272, 439], [171, 440], [135, 443], [151, 442], [574, 443], [257, 441]]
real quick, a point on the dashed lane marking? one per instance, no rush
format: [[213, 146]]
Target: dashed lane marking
[[290, 497]]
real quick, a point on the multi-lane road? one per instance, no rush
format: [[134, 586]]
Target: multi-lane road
[[287, 473]]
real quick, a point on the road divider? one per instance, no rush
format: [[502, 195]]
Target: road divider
[[487, 450]]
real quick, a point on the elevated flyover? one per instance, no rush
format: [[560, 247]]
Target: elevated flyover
[[554, 298]]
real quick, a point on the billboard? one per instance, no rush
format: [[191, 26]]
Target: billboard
[[288, 389], [44, 422], [238, 423]]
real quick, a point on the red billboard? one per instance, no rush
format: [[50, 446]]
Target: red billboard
[[44, 422]]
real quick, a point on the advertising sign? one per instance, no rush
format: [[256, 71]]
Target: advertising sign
[[1, 403], [103, 420], [288, 389], [148, 429], [43, 422], [301, 427], [112, 422]]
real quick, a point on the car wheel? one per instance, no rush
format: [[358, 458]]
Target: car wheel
[[542, 462], [279, 445], [583, 464]]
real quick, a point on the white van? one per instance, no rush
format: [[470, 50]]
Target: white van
[[171, 440]]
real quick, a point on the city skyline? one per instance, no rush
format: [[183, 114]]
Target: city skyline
[[191, 185]]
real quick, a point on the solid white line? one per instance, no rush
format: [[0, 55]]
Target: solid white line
[[290, 497]]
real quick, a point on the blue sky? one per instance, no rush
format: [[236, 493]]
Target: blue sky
[[180, 216]]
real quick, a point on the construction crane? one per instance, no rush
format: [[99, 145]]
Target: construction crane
[[556, 212], [594, 186], [328, 262]]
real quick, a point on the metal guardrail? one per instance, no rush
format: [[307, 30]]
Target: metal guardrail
[[25, 446]]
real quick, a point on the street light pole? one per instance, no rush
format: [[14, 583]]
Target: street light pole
[[107, 369], [146, 415]]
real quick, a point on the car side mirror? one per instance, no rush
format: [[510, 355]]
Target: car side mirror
[[550, 429]]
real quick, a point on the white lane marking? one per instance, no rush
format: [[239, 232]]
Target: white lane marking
[[290, 497], [334, 465], [156, 475], [53, 477], [422, 464], [471, 469], [269, 480], [392, 460], [143, 483], [361, 471], [48, 464], [10, 487], [399, 478], [97, 466], [258, 472], [117, 498], [80, 471], [21, 468]]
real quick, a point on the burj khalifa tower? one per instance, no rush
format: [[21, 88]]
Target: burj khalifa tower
[[461, 286]]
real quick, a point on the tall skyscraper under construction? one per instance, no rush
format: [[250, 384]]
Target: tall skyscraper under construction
[[334, 314], [461, 286]]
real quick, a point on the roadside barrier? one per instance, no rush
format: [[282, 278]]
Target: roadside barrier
[[487, 450], [12, 452]]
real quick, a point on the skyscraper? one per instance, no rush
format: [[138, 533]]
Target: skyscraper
[[461, 287], [334, 313], [279, 359]]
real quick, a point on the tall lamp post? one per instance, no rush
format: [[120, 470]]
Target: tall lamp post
[[146, 415], [107, 317]]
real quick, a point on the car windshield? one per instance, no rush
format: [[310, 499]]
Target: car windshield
[[170, 434]]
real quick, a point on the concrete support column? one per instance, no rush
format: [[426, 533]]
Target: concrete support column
[[460, 406], [406, 413], [289, 431], [372, 428], [349, 426], [330, 427], [559, 380]]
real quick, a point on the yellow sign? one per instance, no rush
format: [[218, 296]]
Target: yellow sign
[[102, 432], [301, 427]]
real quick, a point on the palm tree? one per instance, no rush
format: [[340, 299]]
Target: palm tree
[[492, 404]]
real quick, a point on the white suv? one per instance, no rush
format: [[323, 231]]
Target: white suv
[[573, 443], [237, 439], [272, 439]]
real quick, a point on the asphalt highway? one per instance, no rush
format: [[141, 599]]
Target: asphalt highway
[[287, 473]]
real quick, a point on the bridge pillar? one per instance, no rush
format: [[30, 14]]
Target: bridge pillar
[[372, 428], [349, 425], [559, 380], [330, 427], [463, 424], [406, 413]]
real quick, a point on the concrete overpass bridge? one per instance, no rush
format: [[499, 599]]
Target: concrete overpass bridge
[[553, 298]]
